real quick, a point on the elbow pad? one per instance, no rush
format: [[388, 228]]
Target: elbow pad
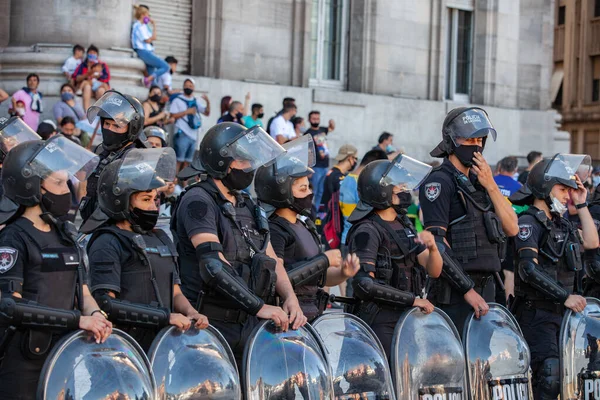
[[133, 314], [591, 265], [33, 315], [309, 271], [216, 275], [368, 290], [453, 272], [541, 282]]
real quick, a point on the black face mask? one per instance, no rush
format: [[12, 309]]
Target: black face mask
[[405, 202], [156, 98], [352, 166], [56, 204], [238, 179], [314, 124], [188, 91], [303, 205], [239, 116], [112, 140], [146, 220], [261, 115], [465, 154]]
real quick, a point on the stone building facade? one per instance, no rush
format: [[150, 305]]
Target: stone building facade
[[372, 65]]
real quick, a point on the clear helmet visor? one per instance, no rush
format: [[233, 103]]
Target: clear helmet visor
[[566, 166], [473, 123], [147, 169], [61, 156], [14, 131], [112, 105], [253, 148], [299, 157], [405, 172]]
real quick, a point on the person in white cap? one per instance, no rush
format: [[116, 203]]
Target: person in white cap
[[186, 110]]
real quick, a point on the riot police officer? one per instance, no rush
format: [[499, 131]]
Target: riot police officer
[[228, 268], [284, 186], [41, 273], [122, 123], [549, 260], [392, 254], [156, 136], [12, 132], [591, 258], [133, 266], [464, 209]]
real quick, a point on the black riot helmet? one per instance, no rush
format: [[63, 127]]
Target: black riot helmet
[[155, 131], [558, 170], [12, 132], [29, 163], [229, 141], [125, 110], [377, 180], [466, 123], [273, 183], [139, 171]]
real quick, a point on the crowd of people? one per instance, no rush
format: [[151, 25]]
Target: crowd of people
[[393, 232]]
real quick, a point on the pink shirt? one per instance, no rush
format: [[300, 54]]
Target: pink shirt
[[31, 118]]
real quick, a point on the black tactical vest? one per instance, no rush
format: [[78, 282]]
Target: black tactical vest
[[476, 238], [396, 264], [559, 254], [240, 255], [159, 259], [307, 294]]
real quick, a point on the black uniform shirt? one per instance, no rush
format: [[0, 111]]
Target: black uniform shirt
[[438, 196], [109, 260], [366, 241], [18, 263], [281, 239], [199, 213], [531, 232]]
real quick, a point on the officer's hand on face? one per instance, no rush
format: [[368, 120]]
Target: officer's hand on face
[[180, 321], [477, 302], [97, 326], [335, 257], [351, 266], [424, 304], [275, 314], [427, 239], [578, 196], [576, 303], [483, 171], [201, 320], [292, 308]]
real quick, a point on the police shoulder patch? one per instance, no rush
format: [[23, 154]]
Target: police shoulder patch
[[8, 258], [525, 231], [433, 190]]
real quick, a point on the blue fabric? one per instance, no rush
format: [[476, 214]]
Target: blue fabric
[[507, 185], [155, 65], [318, 182], [193, 121], [348, 201], [184, 147]]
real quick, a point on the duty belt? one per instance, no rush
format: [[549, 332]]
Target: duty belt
[[545, 305], [481, 279], [221, 314]]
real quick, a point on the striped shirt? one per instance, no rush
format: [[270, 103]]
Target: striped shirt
[[139, 33]]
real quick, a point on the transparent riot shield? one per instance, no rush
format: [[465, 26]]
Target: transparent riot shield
[[79, 368], [196, 364], [497, 357], [428, 362], [359, 367], [285, 365], [580, 360]]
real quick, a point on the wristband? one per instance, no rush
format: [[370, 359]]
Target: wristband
[[582, 205]]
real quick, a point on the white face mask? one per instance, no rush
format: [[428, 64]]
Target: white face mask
[[557, 206], [21, 111]]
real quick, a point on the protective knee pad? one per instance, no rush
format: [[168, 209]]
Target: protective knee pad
[[548, 384]]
